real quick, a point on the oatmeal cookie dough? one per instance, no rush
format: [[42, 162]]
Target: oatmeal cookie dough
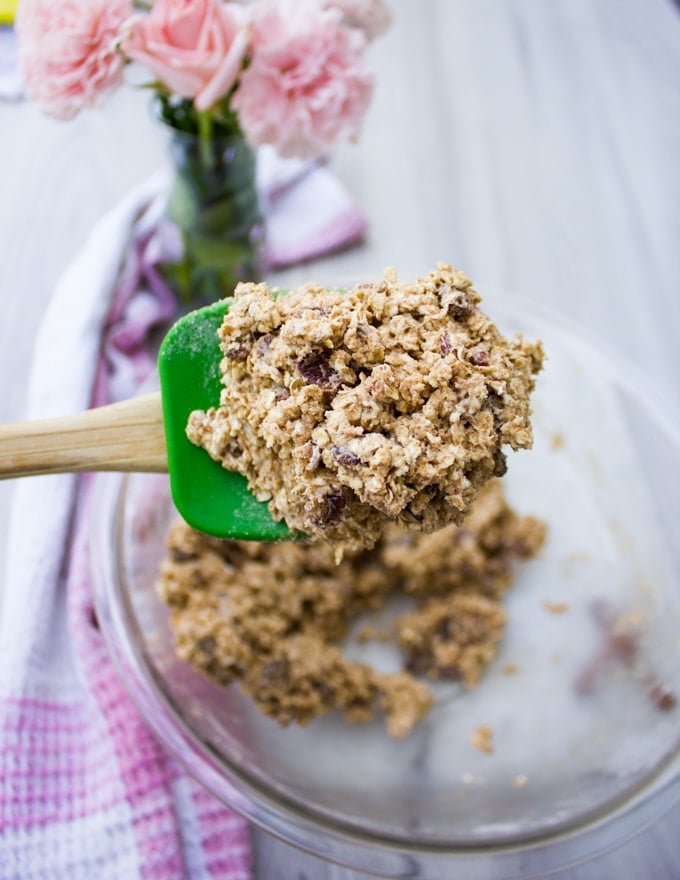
[[475, 557], [387, 403], [273, 616]]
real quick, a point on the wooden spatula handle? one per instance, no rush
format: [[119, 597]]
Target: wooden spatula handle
[[126, 436]]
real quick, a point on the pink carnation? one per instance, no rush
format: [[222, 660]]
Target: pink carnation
[[306, 86], [67, 51], [373, 17], [194, 47]]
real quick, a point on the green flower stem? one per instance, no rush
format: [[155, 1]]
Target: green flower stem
[[205, 132]]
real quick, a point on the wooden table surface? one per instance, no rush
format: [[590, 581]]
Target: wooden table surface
[[534, 144]]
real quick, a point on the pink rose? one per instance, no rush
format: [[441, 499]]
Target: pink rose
[[67, 51], [373, 17], [194, 47], [306, 86]]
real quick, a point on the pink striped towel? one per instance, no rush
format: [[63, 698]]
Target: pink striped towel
[[85, 790]]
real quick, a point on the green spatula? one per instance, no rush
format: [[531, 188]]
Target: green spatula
[[148, 434]]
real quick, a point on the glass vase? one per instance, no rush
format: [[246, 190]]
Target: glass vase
[[214, 206]]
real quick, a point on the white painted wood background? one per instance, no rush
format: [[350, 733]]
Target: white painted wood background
[[533, 143]]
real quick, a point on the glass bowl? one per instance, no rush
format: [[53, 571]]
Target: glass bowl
[[586, 731]]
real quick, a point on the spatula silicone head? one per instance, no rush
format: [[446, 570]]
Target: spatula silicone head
[[211, 499]]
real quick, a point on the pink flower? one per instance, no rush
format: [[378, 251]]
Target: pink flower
[[67, 51], [194, 47], [306, 86], [373, 17]]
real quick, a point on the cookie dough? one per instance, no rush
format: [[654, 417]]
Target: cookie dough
[[273, 616], [350, 410]]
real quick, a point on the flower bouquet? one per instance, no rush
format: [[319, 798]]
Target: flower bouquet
[[226, 77]]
